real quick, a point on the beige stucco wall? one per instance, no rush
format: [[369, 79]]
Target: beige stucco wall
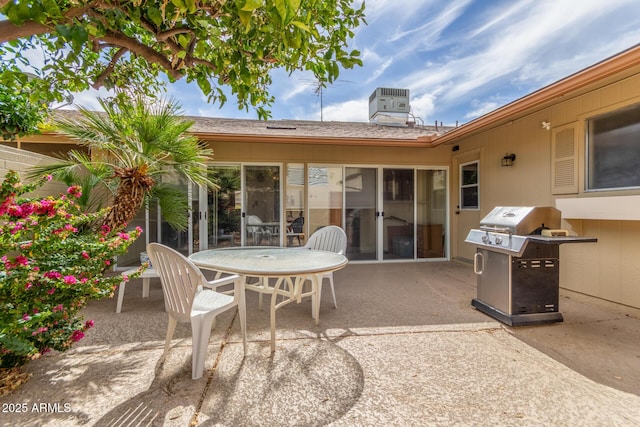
[[20, 161], [608, 269]]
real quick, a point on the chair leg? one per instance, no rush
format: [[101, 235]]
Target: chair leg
[[242, 313], [333, 292], [170, 330], [120, 296], [273, 322], [201, 331]]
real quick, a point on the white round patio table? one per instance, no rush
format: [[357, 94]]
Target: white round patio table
[[290, 267]]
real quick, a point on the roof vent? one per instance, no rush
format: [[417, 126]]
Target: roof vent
[[389, 106]]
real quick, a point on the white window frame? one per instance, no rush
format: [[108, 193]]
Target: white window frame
[[465, 186]]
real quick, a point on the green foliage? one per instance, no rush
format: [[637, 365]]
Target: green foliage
[[216, 44], [138, 135], [54, 260], [20, 113]]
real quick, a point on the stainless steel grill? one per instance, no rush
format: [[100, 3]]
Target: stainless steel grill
[[518, 268]]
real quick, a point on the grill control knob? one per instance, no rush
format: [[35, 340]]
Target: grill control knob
[[485, 239], [498, 240]]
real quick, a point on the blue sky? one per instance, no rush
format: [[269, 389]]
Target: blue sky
[[460, 59]]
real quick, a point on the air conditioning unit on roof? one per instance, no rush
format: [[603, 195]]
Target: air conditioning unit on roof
[[389, 102]]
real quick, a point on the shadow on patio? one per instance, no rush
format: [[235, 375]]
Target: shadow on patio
[[404, 347]]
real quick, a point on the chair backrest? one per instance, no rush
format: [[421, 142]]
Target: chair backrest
[[297, 225], [331, 238], [180, 279], [253, 219]]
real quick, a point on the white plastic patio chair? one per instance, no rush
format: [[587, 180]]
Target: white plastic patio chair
[[187, 301], [331, 239], [256, 231]]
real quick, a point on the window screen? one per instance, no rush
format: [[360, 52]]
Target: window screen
[[613, 144]]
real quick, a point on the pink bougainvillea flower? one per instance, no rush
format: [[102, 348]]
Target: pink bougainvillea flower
[[51, 291], [69, 280], [107, 262], [105, 229], [139, 229], [58, 307], [52, 275], [85, 255], [22, 260], [28, 286], [77, 336], [88, 324], [124, 236], [75, 191]]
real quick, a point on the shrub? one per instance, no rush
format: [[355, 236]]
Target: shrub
[[54, 260]]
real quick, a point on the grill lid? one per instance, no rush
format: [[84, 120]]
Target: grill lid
[[521, 220]]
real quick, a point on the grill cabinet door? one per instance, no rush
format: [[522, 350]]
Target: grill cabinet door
[[493, 283]]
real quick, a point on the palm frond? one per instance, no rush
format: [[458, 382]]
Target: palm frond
[[173, 205], [138, 139]]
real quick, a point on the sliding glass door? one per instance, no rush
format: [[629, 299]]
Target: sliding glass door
[[220, 217], [243, 210], [431, 213], [361, 212], [398, 213], [262, 202], [388, 213]]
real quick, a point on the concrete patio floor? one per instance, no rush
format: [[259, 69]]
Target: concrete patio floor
[[404, 347]]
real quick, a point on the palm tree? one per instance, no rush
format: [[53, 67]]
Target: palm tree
[[138, 143]]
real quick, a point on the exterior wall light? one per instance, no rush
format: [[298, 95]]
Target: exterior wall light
[[508, 159]]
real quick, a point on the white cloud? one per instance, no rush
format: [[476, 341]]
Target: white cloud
[[527, 43], [431, 30], [423, 106], [89, 99], [350, 111], [481, 108]]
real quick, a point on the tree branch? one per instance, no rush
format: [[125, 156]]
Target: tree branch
[[9, 31], [142, 50], [163, 37], [97, 84]]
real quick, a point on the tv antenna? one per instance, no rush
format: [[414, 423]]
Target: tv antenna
[[319, 86]]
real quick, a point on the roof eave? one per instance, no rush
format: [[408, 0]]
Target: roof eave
[[350, 141]]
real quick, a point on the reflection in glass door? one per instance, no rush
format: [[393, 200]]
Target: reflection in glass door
[[169, 236], [222, 212], [360, 192], [398, 209], [431, 213], [261, 213]]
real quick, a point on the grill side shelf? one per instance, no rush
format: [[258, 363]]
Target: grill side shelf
[[561, 239]]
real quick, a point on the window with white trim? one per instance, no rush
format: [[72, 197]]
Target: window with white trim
[[470, 186], [613, 150]]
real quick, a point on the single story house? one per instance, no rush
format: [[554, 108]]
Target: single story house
[[411, 193]]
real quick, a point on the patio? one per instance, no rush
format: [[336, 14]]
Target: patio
[[404, 348]]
